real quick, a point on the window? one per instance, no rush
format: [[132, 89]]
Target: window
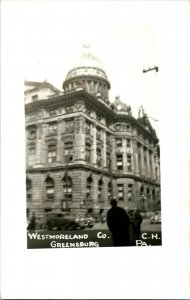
[[88, 190], [69, 124], [87, 128], [108, 160], [109, 190], [68, 152], [145, 160], [31, 156], [118, 142], [119, 161], [51, 153], [34, 98], [150, 161], [100, 188], [108, 139], [67, 192], [98, 133], [88, 153], [53, 127], [129, 163], [120, 192], [128, 143], [98, 153], [28, 189], [130, 191], [139, 157], [49, 188]]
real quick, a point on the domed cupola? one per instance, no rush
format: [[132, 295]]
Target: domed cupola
[[88, 73]]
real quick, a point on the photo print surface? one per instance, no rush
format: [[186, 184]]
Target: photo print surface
[[93, 152]]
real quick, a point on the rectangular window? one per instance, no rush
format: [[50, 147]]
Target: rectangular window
[[87, 153], [129, 163], [52, 127], [50, 193], [128, 143], [68, 152], [87, 128], [120, 192], [98, 153], [31, 156], [51, 154], [119, 143], [119, 160], [108, 139], [69, 125], [108, 160], [98, 133], [130, 191]]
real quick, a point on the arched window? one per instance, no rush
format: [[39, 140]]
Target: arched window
[[49, 188], [100, 189], [67, 192], [28, 189]]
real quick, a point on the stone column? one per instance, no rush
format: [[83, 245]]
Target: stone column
[[135, 156], [113, 155], [148, 163], [104, 149], [79, 138], [43, 143], [124, 152], [142, 160], [39, 144]]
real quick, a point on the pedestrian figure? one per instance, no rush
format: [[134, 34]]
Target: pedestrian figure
[[136, 224], [32, 224], [118, 224]]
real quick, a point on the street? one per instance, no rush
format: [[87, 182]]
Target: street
[[98, 236]]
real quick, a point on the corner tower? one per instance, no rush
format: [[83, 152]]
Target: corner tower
[[88, 73]]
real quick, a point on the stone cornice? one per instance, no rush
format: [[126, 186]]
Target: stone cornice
[[141, 179], [94, 104]]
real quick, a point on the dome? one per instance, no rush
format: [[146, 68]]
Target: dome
[[88, 73], [87, 65]]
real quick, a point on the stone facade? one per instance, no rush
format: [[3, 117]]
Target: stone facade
[[81, 150]]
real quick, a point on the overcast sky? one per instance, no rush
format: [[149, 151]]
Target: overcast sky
[[124, 35]]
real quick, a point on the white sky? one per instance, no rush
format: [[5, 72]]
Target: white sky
[[124, 37]]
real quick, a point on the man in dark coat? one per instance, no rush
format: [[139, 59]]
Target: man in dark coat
[[137, 224], [118, 224]]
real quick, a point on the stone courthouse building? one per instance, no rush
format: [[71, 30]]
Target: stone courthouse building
[[81, 149]]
